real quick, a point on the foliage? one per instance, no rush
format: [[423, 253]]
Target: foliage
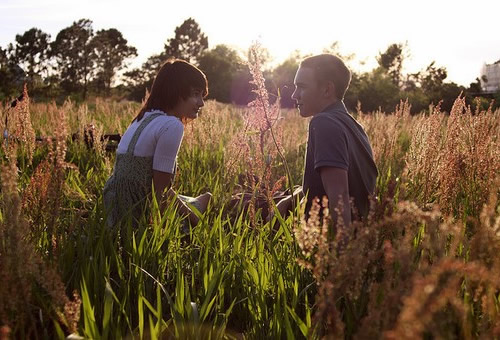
[[377, 91], [79, 63], [72, 51], [138, 80], [11, 77], [392, 61], [188, 43], [221, 65], [283, 76], [110, 51], [31, 52]]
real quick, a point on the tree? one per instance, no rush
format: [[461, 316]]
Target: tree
[[31, 53], [376, 90], [432, 79], [140, 79], [11, 77], [475, 87], [334, 48], [447, 95], [189, 42], [283, 77], [432, 83], [110, 49], [220, 65], [73, 52], [392, 61], [351, 98]]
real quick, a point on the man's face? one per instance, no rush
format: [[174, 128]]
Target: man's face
[[307, 94]]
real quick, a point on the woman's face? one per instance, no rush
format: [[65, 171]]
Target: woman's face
[[190, 106]]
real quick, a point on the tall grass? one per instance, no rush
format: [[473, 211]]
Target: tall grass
[[424, 265]]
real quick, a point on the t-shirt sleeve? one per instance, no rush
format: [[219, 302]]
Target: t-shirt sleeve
[[167, 147], [329, 140]]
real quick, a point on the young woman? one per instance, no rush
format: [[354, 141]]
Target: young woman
[[147, 152]]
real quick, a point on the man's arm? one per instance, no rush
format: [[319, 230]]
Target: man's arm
[[336, 185]]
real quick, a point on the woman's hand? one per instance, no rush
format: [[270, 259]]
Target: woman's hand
[[200, 203], [283, 206]]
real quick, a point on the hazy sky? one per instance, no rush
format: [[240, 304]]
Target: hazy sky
[[459, 35]]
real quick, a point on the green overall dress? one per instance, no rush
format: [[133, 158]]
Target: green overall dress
[[128, 191]]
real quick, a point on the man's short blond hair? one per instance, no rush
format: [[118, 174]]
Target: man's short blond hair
[[329, 67]]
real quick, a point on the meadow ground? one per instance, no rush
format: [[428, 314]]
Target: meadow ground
[[424, 265]]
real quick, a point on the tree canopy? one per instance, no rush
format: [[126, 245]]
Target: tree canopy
[[80, 61], [110, 49], [73, 53], [188, 43], [31, 53]]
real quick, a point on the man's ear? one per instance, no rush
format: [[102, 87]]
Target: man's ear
[[329, 89]]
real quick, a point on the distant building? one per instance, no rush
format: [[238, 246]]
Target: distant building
[[490, 77]]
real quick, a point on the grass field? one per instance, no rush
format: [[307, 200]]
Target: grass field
[[425, 264]]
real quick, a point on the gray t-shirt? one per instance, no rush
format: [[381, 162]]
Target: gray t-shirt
[[337, 140]]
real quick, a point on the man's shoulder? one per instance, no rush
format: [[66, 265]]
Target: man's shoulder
[[332, 113], [327, 120]]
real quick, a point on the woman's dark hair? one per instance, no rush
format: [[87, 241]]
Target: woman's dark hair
[[175, 80], [328, 67]]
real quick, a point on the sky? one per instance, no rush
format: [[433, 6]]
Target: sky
[[458, 35]]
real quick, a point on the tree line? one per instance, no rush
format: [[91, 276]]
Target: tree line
[[81, 62]]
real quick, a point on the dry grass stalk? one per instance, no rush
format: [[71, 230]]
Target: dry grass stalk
[[18, 128], [423, 160], [22, 269], [43, 197], [471, 159], [384, 132], [403, 273], [258, 144]]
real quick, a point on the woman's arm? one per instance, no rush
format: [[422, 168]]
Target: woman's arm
[[162, 181], [288, 203]]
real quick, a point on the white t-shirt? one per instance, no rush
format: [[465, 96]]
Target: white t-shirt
[[160, 139]]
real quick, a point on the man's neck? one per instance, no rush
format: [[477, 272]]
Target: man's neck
[[327, 104]]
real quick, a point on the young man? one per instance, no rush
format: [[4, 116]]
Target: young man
[[339, 161]]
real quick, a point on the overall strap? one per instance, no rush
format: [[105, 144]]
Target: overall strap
[[139, 130]]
